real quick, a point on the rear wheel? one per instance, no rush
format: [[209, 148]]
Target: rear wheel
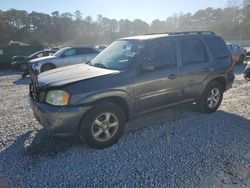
[[23, 67], [211, 98], [47, 67], [103, 125]]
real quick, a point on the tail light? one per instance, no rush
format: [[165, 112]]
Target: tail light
[[233, 60], [233, 63]]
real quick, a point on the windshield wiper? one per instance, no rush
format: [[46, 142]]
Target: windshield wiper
[[100, 65]]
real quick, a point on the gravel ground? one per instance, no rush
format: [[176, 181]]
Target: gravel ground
[[176, 147]]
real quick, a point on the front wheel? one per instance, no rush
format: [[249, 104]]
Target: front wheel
[[47, 67], [211, 98], [103, 125], [24, 67]]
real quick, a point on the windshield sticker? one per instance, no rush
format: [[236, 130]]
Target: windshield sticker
[[129, 53]]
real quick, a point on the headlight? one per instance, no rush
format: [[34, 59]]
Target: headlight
[[57, 97], [34, 65]]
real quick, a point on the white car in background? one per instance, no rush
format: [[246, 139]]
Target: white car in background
[[64, 57]]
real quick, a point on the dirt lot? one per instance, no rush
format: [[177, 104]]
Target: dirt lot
[[176, 147]]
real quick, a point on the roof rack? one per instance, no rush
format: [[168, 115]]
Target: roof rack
[[191, 32], [184, 33]]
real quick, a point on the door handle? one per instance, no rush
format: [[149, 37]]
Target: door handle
[[172, 76]]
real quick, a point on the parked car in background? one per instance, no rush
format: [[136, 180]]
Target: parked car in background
[[248, 53], [131, 77], [22, 62], [247, 72], [238, 53], [101, 47], [64, 57]]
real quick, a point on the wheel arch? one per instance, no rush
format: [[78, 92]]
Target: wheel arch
[[120, 98], [119, 101], [219, 79], [46, 64]]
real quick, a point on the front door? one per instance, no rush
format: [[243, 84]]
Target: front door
[[161, 85], [68, 58]]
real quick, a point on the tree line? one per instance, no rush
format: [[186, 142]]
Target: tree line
[[232, 22]]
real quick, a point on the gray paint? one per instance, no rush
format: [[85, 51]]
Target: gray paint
[[142, 91]]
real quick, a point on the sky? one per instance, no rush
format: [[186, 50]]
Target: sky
[[146, 10]]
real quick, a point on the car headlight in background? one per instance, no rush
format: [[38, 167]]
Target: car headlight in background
[[57, 97], [34, 65]]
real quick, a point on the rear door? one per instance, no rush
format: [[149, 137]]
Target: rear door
[[161, 86], [196, 66]]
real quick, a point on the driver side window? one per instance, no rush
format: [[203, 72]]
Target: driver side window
[[162, 54], [39, 55]]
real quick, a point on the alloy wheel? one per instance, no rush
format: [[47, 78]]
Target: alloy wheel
[[213, 98], [105, 127]]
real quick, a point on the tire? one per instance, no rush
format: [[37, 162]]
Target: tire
[[23, 67], [95, 125], [241, 59], [210, 101], [47, 67]]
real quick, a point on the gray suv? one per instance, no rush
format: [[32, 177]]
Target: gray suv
[[131, 77]]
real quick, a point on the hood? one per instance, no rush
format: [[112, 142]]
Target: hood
[[70, 74], [42, 59], [19, 58]]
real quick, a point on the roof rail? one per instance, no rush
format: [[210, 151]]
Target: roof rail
[[155, 33], [191, 32], [184, 33]]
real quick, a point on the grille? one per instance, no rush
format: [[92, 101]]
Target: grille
[[34, 91]]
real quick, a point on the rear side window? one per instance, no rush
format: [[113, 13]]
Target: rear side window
[[82, 51], [218, 48], [193, 51], [70, 52], [162, 54], [235, 47]]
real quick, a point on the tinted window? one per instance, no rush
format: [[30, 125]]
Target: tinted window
[[81, 51], [69, 52], [192, 51], [51, 53], [235, 47], [162, 54], [217, 47]]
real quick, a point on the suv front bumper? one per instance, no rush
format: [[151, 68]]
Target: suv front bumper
[[61, 120]]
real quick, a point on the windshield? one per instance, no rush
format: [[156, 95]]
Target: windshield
[[60, 52], [118, 55], [34, 54]]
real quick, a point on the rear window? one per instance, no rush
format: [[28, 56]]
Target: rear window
[[218, 47]]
